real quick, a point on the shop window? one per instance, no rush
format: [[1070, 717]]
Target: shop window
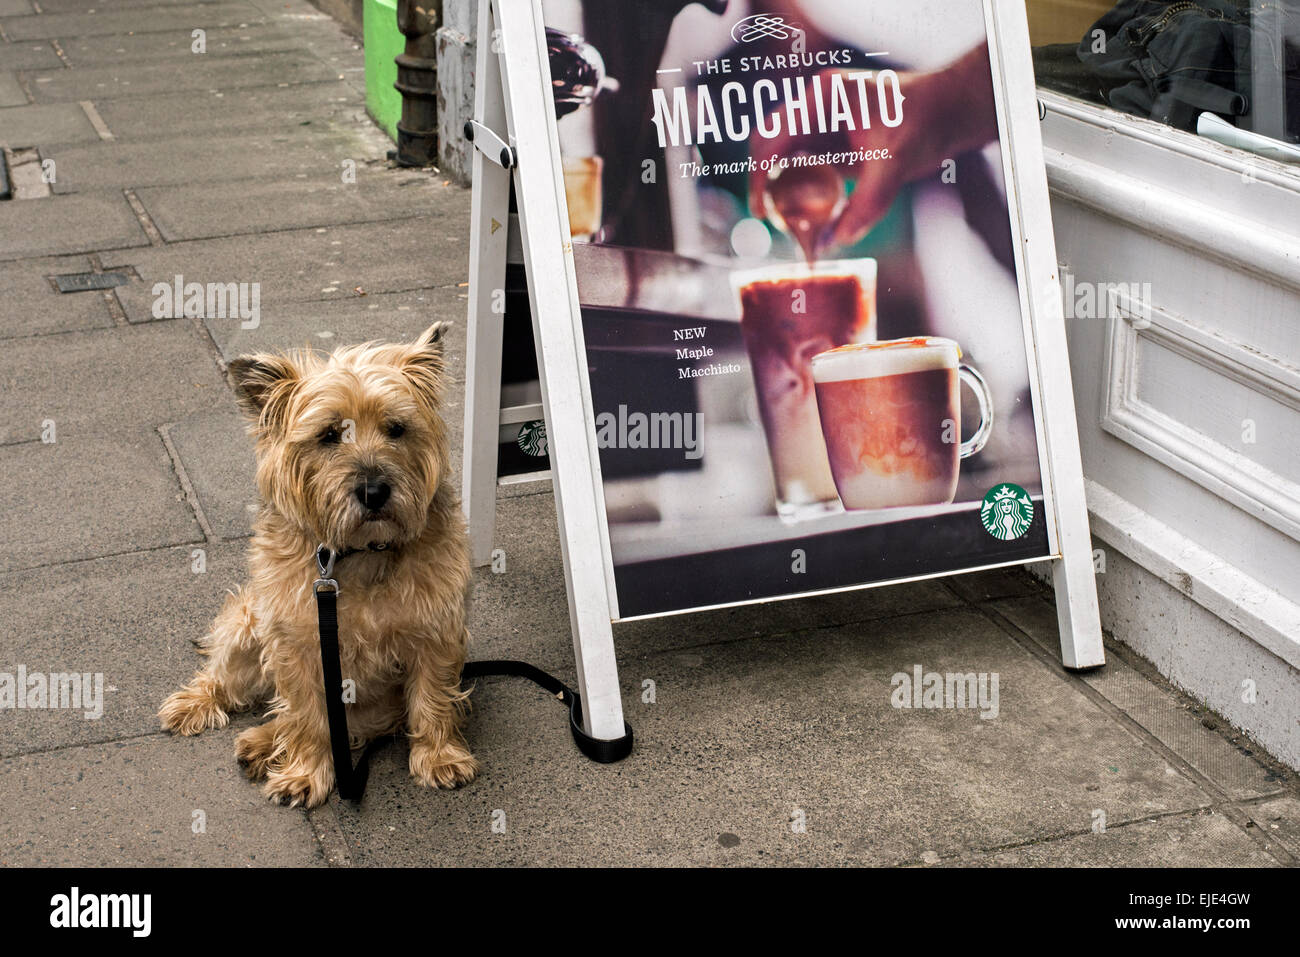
[[1228, 70]]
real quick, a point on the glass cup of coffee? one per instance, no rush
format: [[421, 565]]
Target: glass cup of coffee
[[891, 417], [788, 315], [582, 189]]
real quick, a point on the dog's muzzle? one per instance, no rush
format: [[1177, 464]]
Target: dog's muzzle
[[373, 494]]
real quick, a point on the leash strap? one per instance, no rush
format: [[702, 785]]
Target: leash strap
[[352, 780], [602, 752]]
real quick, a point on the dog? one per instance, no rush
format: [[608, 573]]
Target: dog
[[351, 454]]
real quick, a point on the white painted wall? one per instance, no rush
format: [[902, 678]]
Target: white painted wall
[[1189, 403]]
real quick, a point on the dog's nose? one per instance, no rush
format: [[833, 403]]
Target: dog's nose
[[373, 493]]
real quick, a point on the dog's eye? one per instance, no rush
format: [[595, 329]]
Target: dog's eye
[[331, 436], [396, 430]]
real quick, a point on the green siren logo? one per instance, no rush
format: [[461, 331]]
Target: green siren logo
[[1007, 512], [532, 438]]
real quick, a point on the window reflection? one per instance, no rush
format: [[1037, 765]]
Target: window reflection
[[1225, 69]]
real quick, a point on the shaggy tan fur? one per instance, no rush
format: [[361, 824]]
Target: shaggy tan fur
[[326, 425]]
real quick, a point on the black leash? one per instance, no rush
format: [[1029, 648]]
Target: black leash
[[602, 752], [352, 780]]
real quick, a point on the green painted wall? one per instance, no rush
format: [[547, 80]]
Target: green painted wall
[[382, 43]]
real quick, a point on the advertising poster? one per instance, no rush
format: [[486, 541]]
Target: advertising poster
[[800, 301]]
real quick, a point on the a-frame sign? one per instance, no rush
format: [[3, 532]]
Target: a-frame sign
[[730, 442]]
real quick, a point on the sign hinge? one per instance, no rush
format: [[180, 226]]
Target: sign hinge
[[487, 142]]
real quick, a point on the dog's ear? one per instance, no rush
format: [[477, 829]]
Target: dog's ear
[[262, 382], [426, 362], [431, 339]]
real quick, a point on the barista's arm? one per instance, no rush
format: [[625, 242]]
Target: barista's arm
[[946, 113]]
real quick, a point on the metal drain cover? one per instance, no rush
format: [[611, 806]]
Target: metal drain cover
[[88, 281]]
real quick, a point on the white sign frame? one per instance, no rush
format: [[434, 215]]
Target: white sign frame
[[516, 133]]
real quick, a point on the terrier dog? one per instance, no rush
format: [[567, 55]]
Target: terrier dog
[[351, 453]]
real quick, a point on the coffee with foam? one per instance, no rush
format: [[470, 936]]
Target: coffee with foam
[[872, 360], [891, 420]]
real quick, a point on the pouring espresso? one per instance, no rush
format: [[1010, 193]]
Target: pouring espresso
[[805, 201]]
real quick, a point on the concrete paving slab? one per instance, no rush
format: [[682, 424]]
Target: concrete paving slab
[[216, 452], [1278, 819], [283, 10], [31, 54], [1192, 649], [166, 76], [524, 611], [221, 159], [58, 225], [82, 6], [11, 91], [142, 375], [183, 17], [130, 618], [347, 320], [208, 113], [749, 737], [45, 125], [255, 39], [301, 265], [999, 583], [88, 497], [1160, 711], [1182, 840], [214, 210], [134, 803], [33, 308], [16, 8]]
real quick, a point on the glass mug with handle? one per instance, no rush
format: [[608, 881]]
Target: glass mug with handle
[[891, 419], [788, 314]]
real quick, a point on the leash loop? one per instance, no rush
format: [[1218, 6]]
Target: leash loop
[[596, 749]]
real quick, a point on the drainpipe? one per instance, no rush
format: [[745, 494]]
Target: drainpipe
[[417, 81]]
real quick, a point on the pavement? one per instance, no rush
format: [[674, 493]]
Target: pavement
[[764, 735]]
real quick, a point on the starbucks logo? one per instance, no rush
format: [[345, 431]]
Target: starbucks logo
[[532, 438], [763, 26], [1007, 512]]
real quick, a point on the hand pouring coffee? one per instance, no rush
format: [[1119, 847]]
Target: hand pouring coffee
[[805, 202]]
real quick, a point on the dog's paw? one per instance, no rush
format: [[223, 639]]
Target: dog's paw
[[308, 789], [254, 750], [447, 767], [189, 712]]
